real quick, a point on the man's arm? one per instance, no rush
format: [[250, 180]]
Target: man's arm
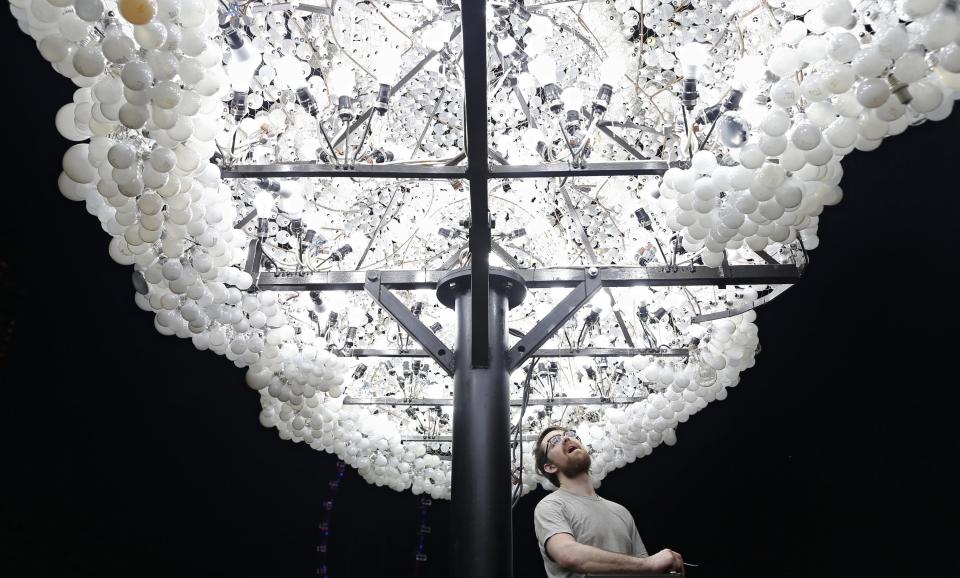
[[572, 555]]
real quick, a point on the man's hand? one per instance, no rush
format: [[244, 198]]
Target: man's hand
[[664, 561]]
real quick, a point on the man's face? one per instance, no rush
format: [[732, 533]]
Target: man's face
[[568, 456]]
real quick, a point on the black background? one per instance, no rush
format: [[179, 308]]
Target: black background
[[128, 453]]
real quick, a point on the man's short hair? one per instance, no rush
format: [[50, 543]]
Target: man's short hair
[[540, 455]]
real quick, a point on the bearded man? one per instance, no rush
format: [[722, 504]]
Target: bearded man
[[578, 531]]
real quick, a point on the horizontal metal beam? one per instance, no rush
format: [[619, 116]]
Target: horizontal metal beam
[[564, 352], [659, 276], [449, 439], [448, 401], [370, 171], [599, 169]]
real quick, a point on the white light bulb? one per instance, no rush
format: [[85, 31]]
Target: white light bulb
[[386, 66], [342, 81], [437, 36], [290, 73], [572, 98], [612, 70], [263, 203], [692, 56], [544, 69], [749, 70], [506, 45], [244, 62], [540, 25]]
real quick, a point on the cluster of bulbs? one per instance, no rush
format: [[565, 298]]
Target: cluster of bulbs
[[754, 106]]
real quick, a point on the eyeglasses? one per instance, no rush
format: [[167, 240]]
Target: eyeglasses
[[555, 439]]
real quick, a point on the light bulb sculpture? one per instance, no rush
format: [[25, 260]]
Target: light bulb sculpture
[[641, 246]]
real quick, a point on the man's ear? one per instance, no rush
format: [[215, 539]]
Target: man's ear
[[547, 468]]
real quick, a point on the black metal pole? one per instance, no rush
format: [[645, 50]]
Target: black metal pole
[[481, 523], [473, 13]]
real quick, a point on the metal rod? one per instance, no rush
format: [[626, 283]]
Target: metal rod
[[363, 140], [373, 171], [542, 353], [383, 219], [475, 129], [448, 401], [433, 113], [657, 276], [620, 141], [448, 439], [424, 171], [621, 168]]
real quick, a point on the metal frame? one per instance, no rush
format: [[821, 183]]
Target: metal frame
[[569, 277], [561, 352], [481, 363], [448, 401]]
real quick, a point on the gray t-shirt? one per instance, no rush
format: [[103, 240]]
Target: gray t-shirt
[[591, 520]]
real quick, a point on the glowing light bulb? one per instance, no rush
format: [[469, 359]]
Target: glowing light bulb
[[437, 36], [263, 202], [612, 70], [342, 81], [572, 98], [386, 67], [244, 61], [290, 72], [544, 69], [692, 56], [749, 71]]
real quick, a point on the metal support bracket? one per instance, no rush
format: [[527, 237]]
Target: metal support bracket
[[440, 353], [553, 321]]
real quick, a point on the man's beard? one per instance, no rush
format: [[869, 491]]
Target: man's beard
[[576, 464]]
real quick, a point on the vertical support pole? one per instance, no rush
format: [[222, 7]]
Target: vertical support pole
[[475, 91], [482, 528], [481, 489]]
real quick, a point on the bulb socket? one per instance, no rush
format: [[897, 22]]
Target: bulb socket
[[708, 115], [689, 95], [732, 101], [233, 37], [551, 96], [345, 108], [238, 105], [340, 253], [379, 156], [602, 101], [306, 100], [383, 99]]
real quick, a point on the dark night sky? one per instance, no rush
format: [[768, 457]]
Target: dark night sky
[[132, 454]]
